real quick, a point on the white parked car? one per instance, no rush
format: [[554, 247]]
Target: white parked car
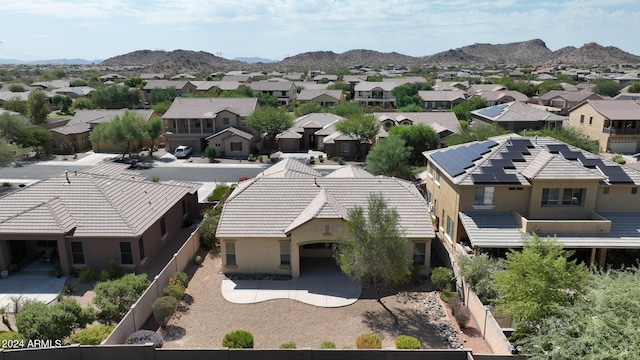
[[182, 151]]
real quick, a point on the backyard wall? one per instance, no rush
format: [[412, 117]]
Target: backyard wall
[[142, 309]]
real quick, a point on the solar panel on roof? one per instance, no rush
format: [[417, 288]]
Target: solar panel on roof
[[591, 163], [507, 178], [493, 111], [556, 148], [571, 155], [489, 143], [518, 148], [479, 148], [456, 156], [522, 142], [483, 178], [504, 163], [615, 174], [513, 156], [492, 170], [469, 153], [450, 166]]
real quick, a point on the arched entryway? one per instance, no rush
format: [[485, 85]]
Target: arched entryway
[[316, 257]]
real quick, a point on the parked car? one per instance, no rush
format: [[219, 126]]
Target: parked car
[[182, 151]]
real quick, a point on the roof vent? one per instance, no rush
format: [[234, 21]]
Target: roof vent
[[66, 173]]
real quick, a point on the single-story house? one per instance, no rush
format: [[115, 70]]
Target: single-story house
[[233, 143], [516, 116], [303, 216], [326, 98]]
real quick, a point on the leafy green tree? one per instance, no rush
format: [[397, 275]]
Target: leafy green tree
[[602, 324], [161, 108], [154, 128], [634, 87], [37, 321], [36, 137], [125, 129], [476, 133], [116, 97], [93, 335], [346, 108], [134, 82], [78, 82], [373, 247], [157, 95], [407, 94], [63, 101], [570, 136], [83, 104], [6, 153], [340, 85], [11, 126], [537, 281], [390, 157], [464, 109], [478, 271], [606, 87], [419, 138], [211, 153], [362, 128], [411, 108], [114, 298], [16, 105], [16, 88], [547, 86], [308, 108], [37, 107], [270, 121]]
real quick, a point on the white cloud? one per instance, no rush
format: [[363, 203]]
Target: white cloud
[[67, 9]]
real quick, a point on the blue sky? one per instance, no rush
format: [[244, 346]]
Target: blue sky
[[273, 29]]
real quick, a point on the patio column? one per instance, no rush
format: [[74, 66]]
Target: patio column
[[603, 258], [592, 259], [64, 257], [295, 260]]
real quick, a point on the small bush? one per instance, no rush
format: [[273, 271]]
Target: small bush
[[461, 313], [407, 342], [68, 288], [447, 295], [441, 277], [92, 335], [218, 193], [619, 159], [251, 158], [155, 179], [211, 153], [198, 260], [239, 339], [145, 336], [180, 278], [11, 339], [112, 272], [174, 290], [321, 158], [87, 274], [340, 161], [163, 308], [288, 345], [369, 341], [328, 345], [260, 158]]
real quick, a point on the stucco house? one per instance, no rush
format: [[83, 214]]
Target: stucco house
[[444, 124], [440, 100], [615, 124], [305, 215], [182, 87], [516, 116], [375, 94], [485, 195], [326, 98], [282, 89], [233, 143], [189, 121], [92, 216], [308, 132], [565, 100], [502, 97]]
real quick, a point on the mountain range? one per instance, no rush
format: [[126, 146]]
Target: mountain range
[[532, 52]]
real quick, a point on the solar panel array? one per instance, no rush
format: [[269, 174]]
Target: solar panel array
[[495, 178], [455, 161], [616, 174], [493, 111]]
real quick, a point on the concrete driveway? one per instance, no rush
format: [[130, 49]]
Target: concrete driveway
[[321, 283], [33, 283]]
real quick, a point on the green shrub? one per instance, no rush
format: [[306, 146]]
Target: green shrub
[[12, 340], [92, 335], [87, 274], [461, 313], [174, 290], [260, 158], [145, 336], [251, 158], [340, 161], [407, 342], [115, 297], [321, 158], [180, 278], [112, 272], [288, 345], [239, 339], [163, 308], [155, 179], [198, 260], [218, 193], [68, 288], [441, 277], [211, 153], [619, 159], [447, 295], [369, 341], [328, 345]]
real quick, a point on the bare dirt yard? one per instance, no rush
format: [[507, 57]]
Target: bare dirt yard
[[203, 320]]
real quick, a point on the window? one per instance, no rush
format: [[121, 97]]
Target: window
[[431, 170], [327, 230], [581, 119], [605, 191], [184, 207], [163, 227], [236, 146], [590, 120], [76, 252], [230, 253], [572, 197], [484, 196], [550, 197], [634, 190], [225, 121], [435, 206], [437, 177], [346, 148], [449, 227], [141, 248], [126, 256], [516, 188], [285, 253], [208, 123], [419, 253]]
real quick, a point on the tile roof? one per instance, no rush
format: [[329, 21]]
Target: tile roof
[[289, 168], [165, 84], [90, 204], [447, 120], [222, 85], [369, 85], [441, 95], [497, 95], [232, 131], [82, 120], [208, 108], [502, 230], [266, 85], [349, 171], [616, 109], [541, 162], [571, 96], [269, 207], [515, 111], [309, 95]]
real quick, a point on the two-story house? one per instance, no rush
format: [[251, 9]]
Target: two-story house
[[284, 90], [189, 121], [615, 124], [565, 100], [485, 195], [375, 94], [441, 100], [182, 87]]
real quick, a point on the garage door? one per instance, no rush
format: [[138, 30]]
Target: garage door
[[623, 146]]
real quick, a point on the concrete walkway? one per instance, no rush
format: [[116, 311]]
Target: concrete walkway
[[321, 284], [31, 283]]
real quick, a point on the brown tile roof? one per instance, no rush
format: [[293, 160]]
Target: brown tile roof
[[208, 108], [82, 120], [616, 109]]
